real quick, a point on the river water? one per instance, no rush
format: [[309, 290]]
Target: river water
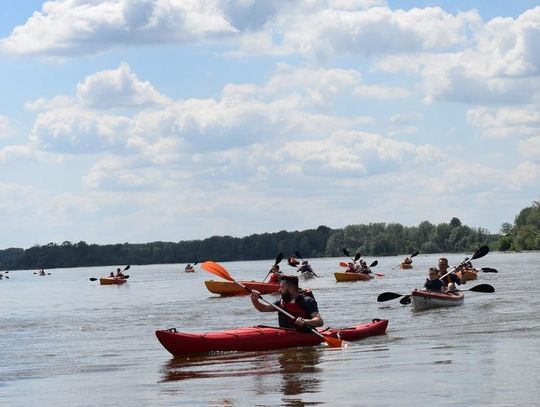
[[66, 341]]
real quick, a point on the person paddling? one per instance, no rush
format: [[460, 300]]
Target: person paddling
[[364, 269], [449, 279], [42, 272], [275, 274], [300, 305], [189, 268], [433, 283], [407, 261], [119, 273], [305, 268]]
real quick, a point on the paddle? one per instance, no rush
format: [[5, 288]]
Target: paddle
[[356, 257], [35, 272], [489, 270], [279, 257], [218, 270], [126, 268]]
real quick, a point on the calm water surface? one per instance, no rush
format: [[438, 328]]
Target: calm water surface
[[66, 341]]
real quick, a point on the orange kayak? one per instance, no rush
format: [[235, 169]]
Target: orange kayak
[[344, 276], [470, 274], [226, 288], [405, 266], [112, 280]]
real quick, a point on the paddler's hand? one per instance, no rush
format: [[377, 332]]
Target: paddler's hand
[[300, 321], [255, 295]]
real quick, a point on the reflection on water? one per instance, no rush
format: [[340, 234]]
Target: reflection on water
[[290, 372]]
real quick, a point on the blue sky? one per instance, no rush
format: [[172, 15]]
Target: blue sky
[[143, 120]]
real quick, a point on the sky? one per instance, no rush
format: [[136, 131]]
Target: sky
[[144, 120]]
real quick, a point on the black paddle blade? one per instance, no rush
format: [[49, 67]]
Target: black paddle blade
[[126, 276], [405, 300], [195, 263], [489, 270], [374, 263], [346, 253], [127, 267], [483, 288], [93, 279], [358, 255], [297, 253], [387, 296], [279, 257], [481, 252], [414, 254]]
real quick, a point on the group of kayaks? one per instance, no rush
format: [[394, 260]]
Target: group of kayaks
[[261, 338]]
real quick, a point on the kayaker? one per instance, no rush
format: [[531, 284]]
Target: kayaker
[[305, 268], [303, 307], [189, 268], [293, 261], [275, 274], [432, 282], [42, 272], [407, 261], [364, 269], [119, 273], [352, 268], [449, 279], [112, 274]]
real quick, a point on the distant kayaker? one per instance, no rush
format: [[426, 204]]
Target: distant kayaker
[[432, 282], [42, 272], [275, 274], [305, 268], [111, 275], [449, 279], [189, 268], [407, 261], [119, 273], [352, 267], [303, 307]]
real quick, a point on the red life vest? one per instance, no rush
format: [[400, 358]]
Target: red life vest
[[294, 309]]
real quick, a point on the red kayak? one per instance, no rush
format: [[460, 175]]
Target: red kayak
[[259, 338]]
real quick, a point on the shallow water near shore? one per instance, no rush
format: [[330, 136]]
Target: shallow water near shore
[[66, 341]]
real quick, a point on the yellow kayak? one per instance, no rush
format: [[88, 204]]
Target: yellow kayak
[[405, 266], [470, 274], [344, 276]]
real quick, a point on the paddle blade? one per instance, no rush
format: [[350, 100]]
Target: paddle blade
[[126, 276], [481, 252], [483, 288], [414, 254], [374, 263], [93, 279], [358, 255], [279, 257], [405, 300], [333, 342], [489, 270], [346, 253], [195, 263], [387, 296], [216, 269], [343, 264]]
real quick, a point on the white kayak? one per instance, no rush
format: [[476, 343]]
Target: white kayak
[[422, 299]]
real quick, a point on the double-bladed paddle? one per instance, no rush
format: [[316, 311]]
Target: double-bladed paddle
[[126, 268], [219, 270], [279, 257], [356, 257]]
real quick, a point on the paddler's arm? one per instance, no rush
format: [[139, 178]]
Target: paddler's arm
[[315, 321], [259, 305]]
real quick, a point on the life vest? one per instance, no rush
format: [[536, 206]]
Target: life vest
[[294, 309], [274, 278]]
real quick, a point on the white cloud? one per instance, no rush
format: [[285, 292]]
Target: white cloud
[[71, 27], [530, 148], [516, 121], [6, 131], [117, 88], [42, 104]]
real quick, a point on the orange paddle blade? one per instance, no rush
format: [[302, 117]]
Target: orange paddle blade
[[343, 264], [216, 269], [333, 342]]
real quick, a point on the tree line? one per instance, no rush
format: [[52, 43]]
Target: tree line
[[524, 233], [374, 239]]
